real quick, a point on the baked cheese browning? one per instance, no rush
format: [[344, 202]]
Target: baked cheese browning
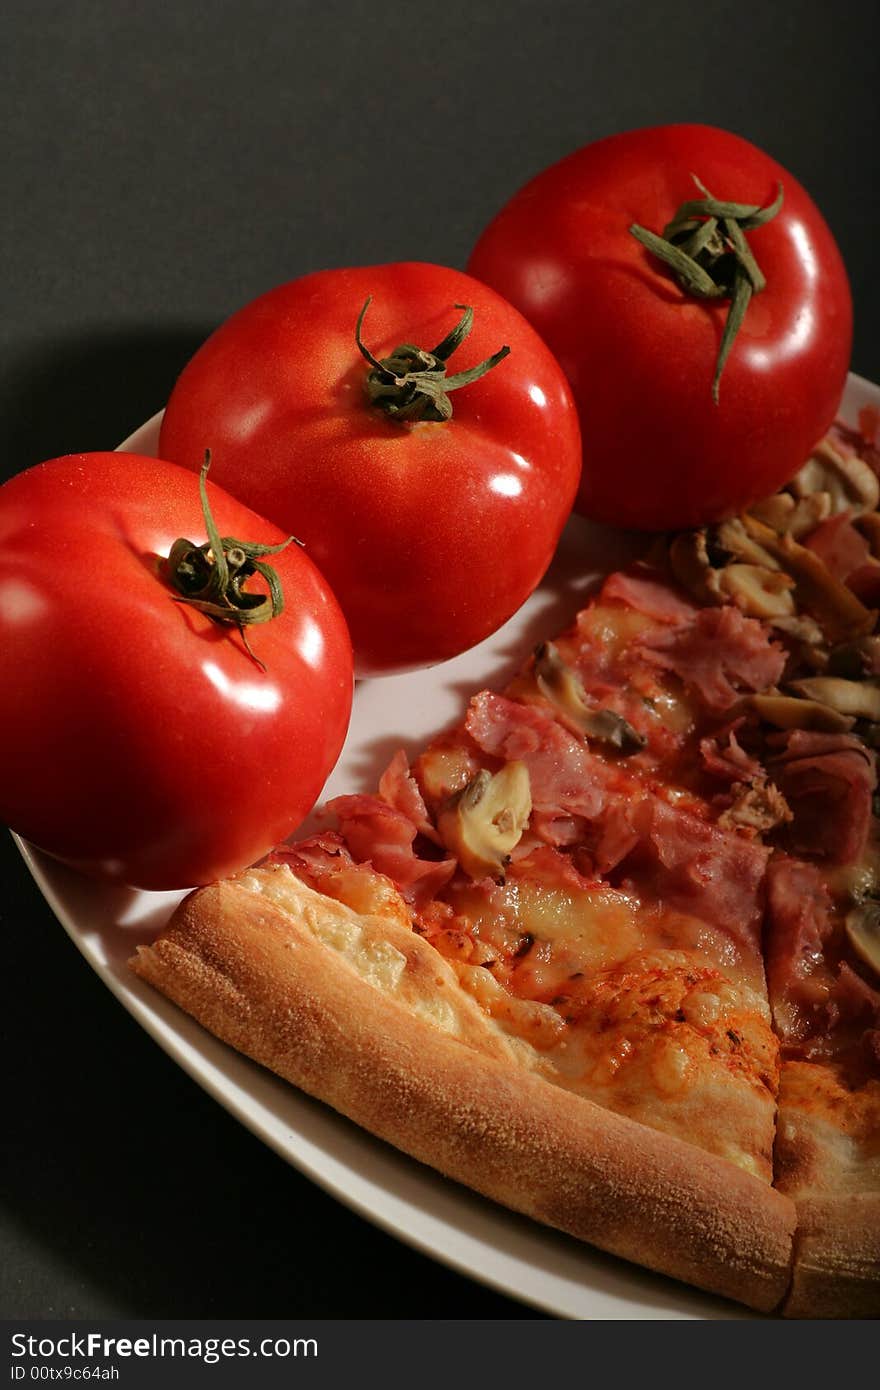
[[251, 972], [641, 1010], [583, 985], [828, 1140], [379, 946]]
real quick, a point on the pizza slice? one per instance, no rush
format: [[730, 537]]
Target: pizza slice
[[535, 959]]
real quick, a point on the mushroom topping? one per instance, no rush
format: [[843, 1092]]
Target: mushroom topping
[[858, 698], [790, 712], [849, 482], [863, 930], [854, 660], [794, 518], [691, 566], [734, 539], [483, 824], [775, 510], [560, 685], [839, 613], [758, 591], [802, 628]]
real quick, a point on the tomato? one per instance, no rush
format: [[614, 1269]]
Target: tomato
[[431, 532], [139, 739], [641, 352]]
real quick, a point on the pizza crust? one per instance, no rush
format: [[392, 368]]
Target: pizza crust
[[828, 1162], [446, 1088], [837, 1258]]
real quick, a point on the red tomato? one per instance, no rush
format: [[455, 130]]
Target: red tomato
[[431, 533], [138, 738], [640, 352]]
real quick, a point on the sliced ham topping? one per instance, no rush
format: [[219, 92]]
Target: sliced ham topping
[[719, 654], [828, 781], [853, 1000], [312, 860], [721, 756], [798, 924], [556, 828], [382, 836], [810, 743], [564, 776], [648, 595], [618, 836], [547, 865], [838, 543], [398, 787], [694, 867]]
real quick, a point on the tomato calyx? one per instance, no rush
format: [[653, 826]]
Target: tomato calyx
[[706, 248], [210, 577], [411, 384]]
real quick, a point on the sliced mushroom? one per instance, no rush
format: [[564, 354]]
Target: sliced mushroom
[[863, 930], [560, 685], [840, 614], [793, 518], [790, 712], [758, 591], [775, 510], [855, 660], [691, 566], [808, 513], [858, 698], [735, 540], [802, 628], [483, 824], [850, 483]]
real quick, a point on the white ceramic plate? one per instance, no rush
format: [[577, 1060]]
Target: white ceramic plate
[[475, 1236]]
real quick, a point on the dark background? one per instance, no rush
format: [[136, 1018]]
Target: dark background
[[162, 165]]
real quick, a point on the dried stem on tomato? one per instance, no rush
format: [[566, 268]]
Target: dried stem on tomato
[[411, 384], [211, 577], [706, 249]]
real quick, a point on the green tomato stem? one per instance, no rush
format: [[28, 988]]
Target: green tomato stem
[[210, 577], [706, 249], [411, 384]]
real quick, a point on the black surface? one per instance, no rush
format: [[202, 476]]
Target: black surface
[[161, 165]]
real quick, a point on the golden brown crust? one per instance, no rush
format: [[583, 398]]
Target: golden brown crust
[[837, 1258], [261, 981]]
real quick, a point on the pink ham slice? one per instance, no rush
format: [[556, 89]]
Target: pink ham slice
[[722, 756], [828, 781], [695, 867], [798, 924], [383, 836], [853, 1000], [808, 998], [398, 787], [720, 653], [842, 548], [652, 597], [565, 778], [665, 852]]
